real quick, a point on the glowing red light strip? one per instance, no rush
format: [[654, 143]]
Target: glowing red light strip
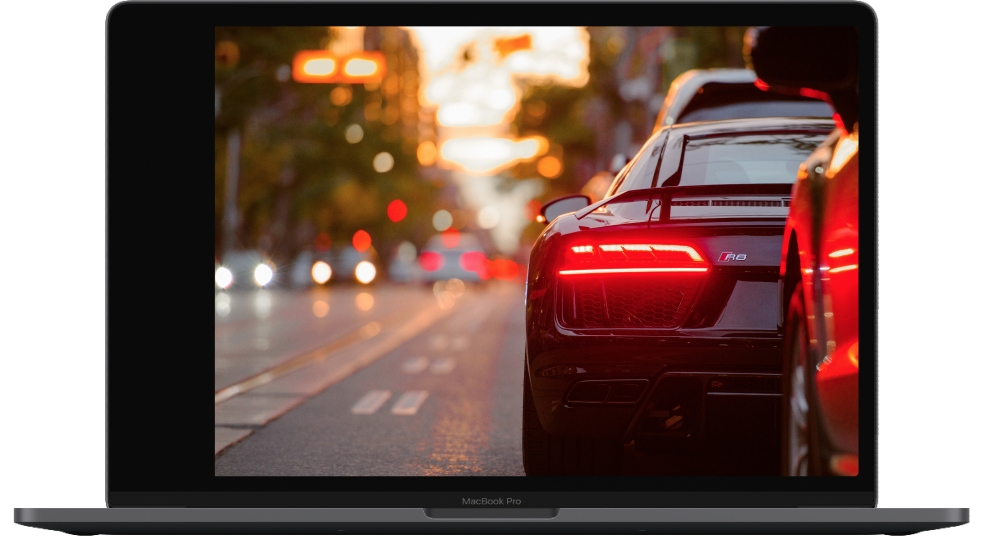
[[842, 252], [630, 270], [652, 247], [843, 268]]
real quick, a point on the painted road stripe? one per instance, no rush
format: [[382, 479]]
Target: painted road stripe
[[372, 401], [415, 366], [442, 366], [409, 403]]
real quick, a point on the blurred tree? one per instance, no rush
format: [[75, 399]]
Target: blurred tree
[[302, 170]]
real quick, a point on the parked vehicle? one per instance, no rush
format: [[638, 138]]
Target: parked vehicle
[[715, 94]]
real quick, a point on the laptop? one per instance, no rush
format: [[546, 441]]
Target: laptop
[[439, 306]]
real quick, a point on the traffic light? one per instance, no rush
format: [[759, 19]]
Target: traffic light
[[324, 67]]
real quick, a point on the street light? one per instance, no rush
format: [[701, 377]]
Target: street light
[[325, 67]]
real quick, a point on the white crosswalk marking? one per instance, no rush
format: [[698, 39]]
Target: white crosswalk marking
[[372, 401], [442, 366], [409, 403], [415, 366]]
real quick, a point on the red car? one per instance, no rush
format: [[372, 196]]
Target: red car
[[820, 254]]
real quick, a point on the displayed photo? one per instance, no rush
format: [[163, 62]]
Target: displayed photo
[[536, 251]]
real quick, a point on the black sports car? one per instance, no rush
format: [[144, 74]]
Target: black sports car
[[647, 310]]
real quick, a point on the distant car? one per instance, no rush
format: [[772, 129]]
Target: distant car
[[243, 269], [466, 260], [821, 258], [715, 94], [646, 311]]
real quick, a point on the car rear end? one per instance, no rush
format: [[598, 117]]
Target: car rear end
[[653, 316]]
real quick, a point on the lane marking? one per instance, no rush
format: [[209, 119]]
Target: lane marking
[[442, 366], [409, 403], [370, 402], [415, 366]]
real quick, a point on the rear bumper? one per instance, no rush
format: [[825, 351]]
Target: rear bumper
[[701, 372]]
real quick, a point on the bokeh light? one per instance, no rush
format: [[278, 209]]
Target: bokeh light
[[445, 300], [364, 301], [223, 304], [427, 153], [341, 95], [397, 210], [319, 67], [223, 277], [406, 252], [431, 261], [321, 272], [450, 237], [320, 308], [263, 274], [456, 287], [488, 217], [504, 269], [262, 303], [383, 162], [365, 272], [353, 134], [361, 240], [532, 210], [442, 220], [549, 166]]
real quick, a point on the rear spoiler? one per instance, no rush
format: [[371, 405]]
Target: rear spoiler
[[665, 195]]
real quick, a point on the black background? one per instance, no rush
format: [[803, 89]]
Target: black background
[[927, 421]]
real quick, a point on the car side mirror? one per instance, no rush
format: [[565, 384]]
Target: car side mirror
[[562, 205]]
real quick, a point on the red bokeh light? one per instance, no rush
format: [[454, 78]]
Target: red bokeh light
[[361, 240], [532, 210], [504, 269], [450, 237], [473, 261], [397, 210], [431, 260], [322, 242]]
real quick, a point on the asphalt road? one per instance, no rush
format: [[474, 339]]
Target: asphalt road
[[392, 380]]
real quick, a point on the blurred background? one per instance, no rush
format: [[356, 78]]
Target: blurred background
[[451, 145]]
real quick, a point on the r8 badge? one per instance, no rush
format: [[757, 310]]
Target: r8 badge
[[728, 256]]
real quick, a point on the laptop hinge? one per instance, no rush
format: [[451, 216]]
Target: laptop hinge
[[491, 513]]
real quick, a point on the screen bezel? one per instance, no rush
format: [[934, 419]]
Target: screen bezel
[[162, 36]]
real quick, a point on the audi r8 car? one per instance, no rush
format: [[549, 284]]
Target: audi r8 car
[[820, 254], [657, 306]]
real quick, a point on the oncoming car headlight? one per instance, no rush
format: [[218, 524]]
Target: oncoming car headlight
[[365, 272], [223, 277], [321, 272], [263, 274]]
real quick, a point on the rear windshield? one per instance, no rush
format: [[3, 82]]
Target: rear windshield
[[749, 159]]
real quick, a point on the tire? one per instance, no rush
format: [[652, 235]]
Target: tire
[[546, 454], [800, 432]]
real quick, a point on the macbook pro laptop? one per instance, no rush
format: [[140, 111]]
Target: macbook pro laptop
[[558, 273]]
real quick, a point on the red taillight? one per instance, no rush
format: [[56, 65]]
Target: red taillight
[[473, 261], [632, 258], [431, 260]]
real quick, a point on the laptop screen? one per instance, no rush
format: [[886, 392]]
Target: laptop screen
[[627, 256]]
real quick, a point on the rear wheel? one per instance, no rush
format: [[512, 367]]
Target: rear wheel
[[800, 433], [546, 454]]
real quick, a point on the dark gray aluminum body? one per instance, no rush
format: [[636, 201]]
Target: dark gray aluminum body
[[492, 520]]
